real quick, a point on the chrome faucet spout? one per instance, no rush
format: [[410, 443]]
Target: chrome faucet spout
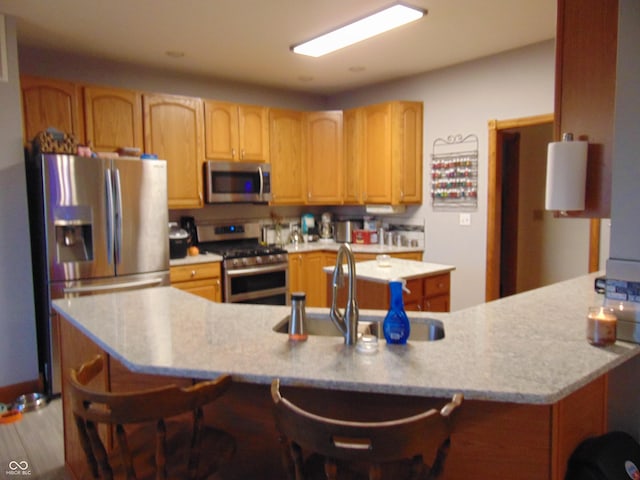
[[347, 323]]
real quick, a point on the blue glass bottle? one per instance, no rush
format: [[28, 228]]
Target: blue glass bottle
[[396, 326]]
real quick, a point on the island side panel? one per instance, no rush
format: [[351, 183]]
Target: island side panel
[[76, 348], [500, 440], [580, 415]]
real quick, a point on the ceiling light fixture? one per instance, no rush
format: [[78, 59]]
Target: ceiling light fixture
[[359, 30]]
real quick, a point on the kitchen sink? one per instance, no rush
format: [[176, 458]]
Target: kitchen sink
[[320, 324]]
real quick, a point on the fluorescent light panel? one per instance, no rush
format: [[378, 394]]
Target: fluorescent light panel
[[355, 32]]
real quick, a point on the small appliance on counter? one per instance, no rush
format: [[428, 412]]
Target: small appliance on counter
[[344, 229], [308, 224], [178, 241], [189, 224], [326, 228]]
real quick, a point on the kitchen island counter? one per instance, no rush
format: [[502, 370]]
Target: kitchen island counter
[[490, 352], [395, 269], [533, 386]]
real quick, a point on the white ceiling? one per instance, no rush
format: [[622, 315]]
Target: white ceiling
[[249, 40]]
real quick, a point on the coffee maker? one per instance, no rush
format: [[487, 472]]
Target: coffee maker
[[326, 228]]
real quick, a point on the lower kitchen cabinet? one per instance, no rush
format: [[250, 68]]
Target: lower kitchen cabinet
[[425, 294], [435, 293], [306, 275], [202, 279]]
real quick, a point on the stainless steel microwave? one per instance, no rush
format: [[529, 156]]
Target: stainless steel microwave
[[237, 182]]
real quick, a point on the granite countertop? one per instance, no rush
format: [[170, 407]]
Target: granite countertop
[[332, 246], [204, 257], [526, 348], [398, 268]]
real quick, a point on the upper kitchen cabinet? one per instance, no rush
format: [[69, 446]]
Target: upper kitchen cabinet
[[174, 130], [51, 103], [113, 118], [236, 132], [352, 181], [392, 153], [586, 48], [288, 176], [323, 153]]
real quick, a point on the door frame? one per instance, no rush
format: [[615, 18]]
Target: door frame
[[494, 206]]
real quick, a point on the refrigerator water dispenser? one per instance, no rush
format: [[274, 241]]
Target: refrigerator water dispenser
[[73, 242]]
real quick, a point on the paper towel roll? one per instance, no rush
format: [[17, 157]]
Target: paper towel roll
[[566, 175]]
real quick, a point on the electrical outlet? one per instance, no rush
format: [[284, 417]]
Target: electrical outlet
[[465, 219]]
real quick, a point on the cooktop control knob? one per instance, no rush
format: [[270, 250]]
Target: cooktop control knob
[[258, 260]]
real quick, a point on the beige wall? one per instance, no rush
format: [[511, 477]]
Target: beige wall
[[18, 361]]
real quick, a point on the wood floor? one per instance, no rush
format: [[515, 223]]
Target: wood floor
[[37, 439]]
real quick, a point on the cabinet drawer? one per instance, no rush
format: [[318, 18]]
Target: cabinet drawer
[[436, 285], [198, 271], [436, 304], [415, 291]]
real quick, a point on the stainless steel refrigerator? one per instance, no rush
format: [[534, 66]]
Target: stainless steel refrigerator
[[97, 225]]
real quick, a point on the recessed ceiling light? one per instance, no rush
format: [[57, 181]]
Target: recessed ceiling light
[[359, 30], [174, 53]]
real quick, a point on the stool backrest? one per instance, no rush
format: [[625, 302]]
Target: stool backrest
[[91, 407], [370, 442]]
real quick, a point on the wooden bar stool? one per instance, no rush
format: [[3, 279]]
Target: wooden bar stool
[[340, 449], [194, 449]]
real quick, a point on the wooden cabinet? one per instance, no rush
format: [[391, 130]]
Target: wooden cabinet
[[323, 155], [236, 132], [288, 175], [586, 51], [429, 293], [392, 153], [50, 103], [306, 275], [174, 129], [113, 118], [352, 145], [202, 279], [435, 293]]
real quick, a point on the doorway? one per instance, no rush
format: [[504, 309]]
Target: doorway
[[517, 238]]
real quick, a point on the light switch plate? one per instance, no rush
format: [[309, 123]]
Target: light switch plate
[[465, 219]]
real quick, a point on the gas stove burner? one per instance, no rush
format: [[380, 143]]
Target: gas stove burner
[[228, 252]]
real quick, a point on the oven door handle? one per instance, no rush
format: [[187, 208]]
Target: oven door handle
[[256, 270]]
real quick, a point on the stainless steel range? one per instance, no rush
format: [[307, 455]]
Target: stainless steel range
[[251, 272]]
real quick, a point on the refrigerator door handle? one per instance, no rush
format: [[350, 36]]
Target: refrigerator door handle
[[110, 214], [113, 286], [118, 215]]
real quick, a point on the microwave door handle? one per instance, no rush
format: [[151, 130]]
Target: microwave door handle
[[110, 214], [261, 182], [118, 216]]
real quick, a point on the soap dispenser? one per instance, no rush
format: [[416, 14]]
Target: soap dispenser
[[396, 326]]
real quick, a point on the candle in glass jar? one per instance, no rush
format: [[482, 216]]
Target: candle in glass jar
[[601, 326]]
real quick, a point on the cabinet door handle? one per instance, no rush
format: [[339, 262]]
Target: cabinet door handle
[[193, 273], [242, 154], [233, 154]]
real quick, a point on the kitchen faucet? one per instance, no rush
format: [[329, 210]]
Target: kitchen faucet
[[347, 324]]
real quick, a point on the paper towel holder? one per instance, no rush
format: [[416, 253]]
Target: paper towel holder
[[566, 175]]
